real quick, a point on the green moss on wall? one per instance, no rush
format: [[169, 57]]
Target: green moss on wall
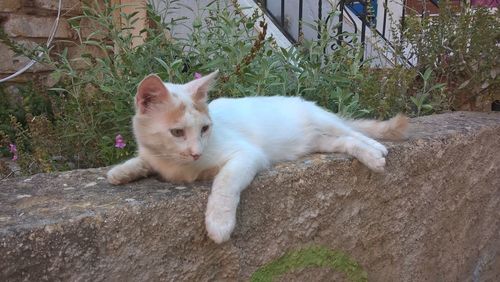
[[315, 256]]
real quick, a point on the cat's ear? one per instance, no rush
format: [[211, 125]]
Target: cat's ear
[[199, 87], [151, 91]]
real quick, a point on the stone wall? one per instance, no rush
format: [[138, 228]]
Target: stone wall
[[432, 216], [29, 22]]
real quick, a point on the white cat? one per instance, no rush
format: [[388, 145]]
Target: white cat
[[183, 139]]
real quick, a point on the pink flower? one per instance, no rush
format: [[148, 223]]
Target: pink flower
[[119, 143], [13, 150], [197, 75]]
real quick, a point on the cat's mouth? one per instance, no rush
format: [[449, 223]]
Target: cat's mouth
[[189, 158]]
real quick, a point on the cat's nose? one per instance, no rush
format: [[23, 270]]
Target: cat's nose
[[195, 156]]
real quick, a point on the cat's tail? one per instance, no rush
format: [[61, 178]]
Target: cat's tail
[[395, 128]]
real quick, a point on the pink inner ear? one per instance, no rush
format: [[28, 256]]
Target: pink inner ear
[[151, 91], [201, 93]]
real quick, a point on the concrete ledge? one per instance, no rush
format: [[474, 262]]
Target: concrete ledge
[[433, 216]]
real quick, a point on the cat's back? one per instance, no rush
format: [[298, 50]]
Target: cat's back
[[254, 100], [259, 106], [279, 125]]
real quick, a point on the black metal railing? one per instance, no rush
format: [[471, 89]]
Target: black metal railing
[[363, 10], [360, 8], [435, 3]]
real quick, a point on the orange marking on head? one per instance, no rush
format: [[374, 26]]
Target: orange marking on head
[[173, 115], [200, 107]]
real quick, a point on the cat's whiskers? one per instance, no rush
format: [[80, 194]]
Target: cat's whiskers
[[173, 158], [165, 156]]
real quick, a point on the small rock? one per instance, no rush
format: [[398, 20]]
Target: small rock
[[90, 184]]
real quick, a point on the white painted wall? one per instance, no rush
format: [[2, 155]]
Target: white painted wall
[[196, 9], [374, 44], [309, 15], [193, 9], [188, 9]]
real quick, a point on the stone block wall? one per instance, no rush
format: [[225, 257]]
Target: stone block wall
[[433, 215], [29, 22]]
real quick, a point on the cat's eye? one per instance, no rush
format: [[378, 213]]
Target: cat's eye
[[205, 128], [176, 132]]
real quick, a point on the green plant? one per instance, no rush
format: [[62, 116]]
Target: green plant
[[92, 101], [387, 91], [34, 144], [314, 256], [460, 46], [421, 99]]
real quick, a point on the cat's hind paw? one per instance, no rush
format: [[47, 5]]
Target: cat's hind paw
[[378, 146], [377, 165], [374, 160], [383, 150]]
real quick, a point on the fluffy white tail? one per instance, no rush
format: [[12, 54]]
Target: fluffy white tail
[[392, 129]]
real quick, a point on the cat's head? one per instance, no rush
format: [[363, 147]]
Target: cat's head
[[172, 120]]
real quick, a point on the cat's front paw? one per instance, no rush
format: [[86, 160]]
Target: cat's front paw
[[220, 218], [219, 228], [116, 176]]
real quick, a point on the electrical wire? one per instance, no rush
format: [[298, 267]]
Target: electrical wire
[[39, 53]]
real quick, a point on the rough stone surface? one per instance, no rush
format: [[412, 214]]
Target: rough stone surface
[[11, 63], [31, 22], [35, 27], [9, 5], [74, 5], [432, 216]]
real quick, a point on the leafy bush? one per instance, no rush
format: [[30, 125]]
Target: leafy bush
[[78, 122], [457, 65], [24, 122], [91, 106], [461, 47]]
